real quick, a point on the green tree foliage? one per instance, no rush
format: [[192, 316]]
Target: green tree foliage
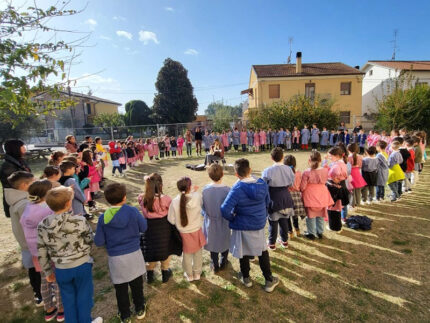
[[235, 111], [175, 101], [26, 64], [297, 111], [19, 129], [108, 120], [406, 104], [137, 112]]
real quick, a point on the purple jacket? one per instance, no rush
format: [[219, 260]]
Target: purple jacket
[[32, 216]]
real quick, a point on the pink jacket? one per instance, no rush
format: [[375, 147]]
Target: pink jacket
[[297, 181], [167, 143], [180, 142], [243, 138], [155, 148], [32, 216], [262, 137], [93, 174], [314, 191], [160, 207], [224, 140], [150, 149], [256, 139]]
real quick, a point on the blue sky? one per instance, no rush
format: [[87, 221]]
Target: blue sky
[[218, 41]]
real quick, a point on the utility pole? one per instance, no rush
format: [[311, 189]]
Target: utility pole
[[394, 41], [290, 42]]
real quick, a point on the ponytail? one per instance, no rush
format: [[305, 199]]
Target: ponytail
[[153, 187], [315, 160], [353, 149], [184, 185]]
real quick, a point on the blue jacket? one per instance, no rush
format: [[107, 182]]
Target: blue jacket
[[246, 205], [122, 234]]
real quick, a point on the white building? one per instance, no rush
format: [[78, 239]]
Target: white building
[[379, 74]]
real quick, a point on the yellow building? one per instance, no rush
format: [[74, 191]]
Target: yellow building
[[343, 83]]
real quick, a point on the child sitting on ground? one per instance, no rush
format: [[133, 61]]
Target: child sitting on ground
[[119, 230], [369, 172], [245, 207], [161, 239], [296, 195], [68, 169], [279, 177], [17, 199], [65, 239], [216, 228], [34, 213], [53, 174], [316, 196], [185, 214]]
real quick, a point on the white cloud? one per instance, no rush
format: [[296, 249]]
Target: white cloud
[[126, 34], [118, 18], [147, 36], [96, 79], [105, 37], [169, 9], [91, 22], [191, 51]]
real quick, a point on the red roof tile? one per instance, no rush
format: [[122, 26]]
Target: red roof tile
[[405, 65], [313, 69]]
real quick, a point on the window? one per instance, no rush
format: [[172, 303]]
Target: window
[[274, 91], [345, 116], [310, 90], [88, 108], [345, 88], [370, 72]]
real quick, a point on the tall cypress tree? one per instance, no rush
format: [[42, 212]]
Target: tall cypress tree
[[175, 101]]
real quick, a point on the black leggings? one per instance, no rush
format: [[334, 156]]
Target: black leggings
[[114, 168], [244, 147], [35, 281], [334, 220], [264, 262], [123, 299], [314, 145], [293, 221], [295, 145]]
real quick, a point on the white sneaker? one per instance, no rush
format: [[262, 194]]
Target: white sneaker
[[97, 320]]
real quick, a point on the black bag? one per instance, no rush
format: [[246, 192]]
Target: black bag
[[338, 193], [359, 222], [199, 167]]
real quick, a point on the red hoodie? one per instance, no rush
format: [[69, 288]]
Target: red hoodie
[[113, 147]]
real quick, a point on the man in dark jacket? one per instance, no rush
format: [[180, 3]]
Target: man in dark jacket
[[13, 162]]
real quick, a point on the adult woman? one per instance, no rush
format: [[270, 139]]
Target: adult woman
[[13, 162], [71, 145], [216, 153], [198, 136], [189, 142]]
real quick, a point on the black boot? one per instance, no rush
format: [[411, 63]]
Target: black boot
[[150, 276], [166, 274]]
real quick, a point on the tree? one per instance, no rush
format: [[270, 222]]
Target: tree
[[137, 112], [297, 111], [175, 101], [235, 111], [108, 120], [26, 65]]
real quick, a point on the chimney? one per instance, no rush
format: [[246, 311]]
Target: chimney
[[357, 67], [299, 63]]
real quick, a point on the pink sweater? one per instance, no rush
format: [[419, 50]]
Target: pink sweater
[[160, 207], [243, 138], [297, 182], [314, 191], [180, 142]]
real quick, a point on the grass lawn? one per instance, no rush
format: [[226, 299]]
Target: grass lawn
[[377, 276]]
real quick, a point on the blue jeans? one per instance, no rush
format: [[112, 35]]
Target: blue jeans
[[76, 287], [394, 187], [315, 225], [344, 212], [380, 192]]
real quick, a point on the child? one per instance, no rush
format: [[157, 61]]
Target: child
[[395, 173], [215, 227], [305, 137], [279, 178], [119, 229], [167, 146], [115, 151], [155, 148], [315, 137], [185, 214], [245, 207], [34, 213], [404, 165], [370, 174], [362, 139], [122, 158], [71, 145], [316, 197], [236, 139], [17, 199], [56, 158], [131, 155], [262, 140], [53, 174], [243, 139], [161, 148], [173, 146], [207, 140], [160, 240], [66, 240], [296, 139], [337, 175], [382, 170], [256, 141], [102, 156], [355, 162], [287, 139], [68, 169], [250, 135], [333, 138], [418, 157], [180, 145], [346, 137], [91, 171], [410, 165], [325, 136], [296, 195]]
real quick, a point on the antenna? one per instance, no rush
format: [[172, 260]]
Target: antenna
[[394, 41], [290, 41]]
